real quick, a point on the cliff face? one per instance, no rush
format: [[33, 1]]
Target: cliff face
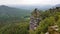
[[34, 20]]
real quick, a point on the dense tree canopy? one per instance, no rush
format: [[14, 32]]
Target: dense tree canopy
[[15, 24]]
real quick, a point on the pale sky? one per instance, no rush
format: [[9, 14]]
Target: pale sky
[[29, 2]]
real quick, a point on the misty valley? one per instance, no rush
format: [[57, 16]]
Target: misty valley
[[30, 19]]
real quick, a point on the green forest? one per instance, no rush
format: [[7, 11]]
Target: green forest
[[17, 21]]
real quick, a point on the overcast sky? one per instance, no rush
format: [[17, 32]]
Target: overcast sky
[[29, 2]]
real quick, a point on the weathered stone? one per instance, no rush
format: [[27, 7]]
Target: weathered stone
[[53, 30], [34, 19]]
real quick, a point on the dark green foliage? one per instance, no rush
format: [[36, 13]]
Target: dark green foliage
[[16, 21], [15, 28], [12, 20], [50, 19]]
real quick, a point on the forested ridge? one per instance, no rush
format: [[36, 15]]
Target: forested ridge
[[11, 24], [10, 14]]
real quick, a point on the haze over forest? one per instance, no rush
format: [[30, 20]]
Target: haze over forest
[[15, 16]]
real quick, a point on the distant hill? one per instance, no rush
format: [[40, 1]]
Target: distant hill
[[58, 5], [5, 10], [30, 7], [12, 15]]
